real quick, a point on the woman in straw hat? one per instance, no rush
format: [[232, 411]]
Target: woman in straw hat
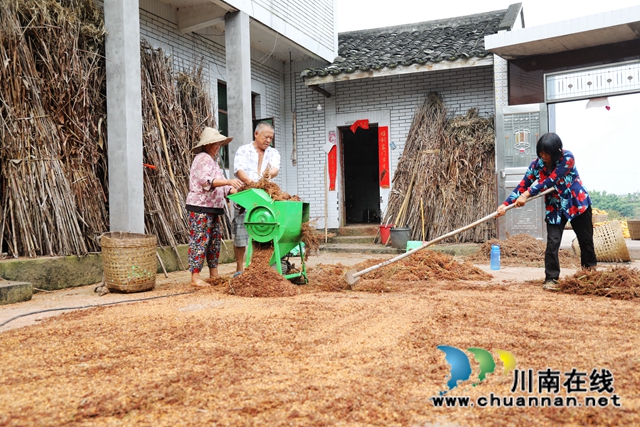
[[208, 189]]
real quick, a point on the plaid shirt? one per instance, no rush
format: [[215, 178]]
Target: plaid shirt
[[571, 198]]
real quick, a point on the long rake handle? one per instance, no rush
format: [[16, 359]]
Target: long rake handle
[[450, 234]]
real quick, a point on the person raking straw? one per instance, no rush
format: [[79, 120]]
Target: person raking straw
[[556, 167]]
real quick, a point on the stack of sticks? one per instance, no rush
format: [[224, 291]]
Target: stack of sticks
[[53, 131], [445, 178], [52, 127], [175, 109]]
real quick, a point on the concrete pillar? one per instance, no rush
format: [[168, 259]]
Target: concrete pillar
[[238, 55], [124, 115]]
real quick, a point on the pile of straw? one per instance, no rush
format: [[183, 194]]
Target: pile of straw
[[445, 178], [522, 249], [52, 127], [617, 283], [53, 158], [261, 280]]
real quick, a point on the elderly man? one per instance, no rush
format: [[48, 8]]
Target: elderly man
[[252, 161]]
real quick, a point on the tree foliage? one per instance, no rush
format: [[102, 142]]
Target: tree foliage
[[623, 206]]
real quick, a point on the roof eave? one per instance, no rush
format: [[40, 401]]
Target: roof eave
[[578, 33], [401, 70]]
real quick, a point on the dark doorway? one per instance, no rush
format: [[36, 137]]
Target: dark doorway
[[360, 171]]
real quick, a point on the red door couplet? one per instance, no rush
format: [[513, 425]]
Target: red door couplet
[[383, 156], [333, 166]]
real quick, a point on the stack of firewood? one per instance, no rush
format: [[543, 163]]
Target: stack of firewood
[[53, 146], [445, 178]]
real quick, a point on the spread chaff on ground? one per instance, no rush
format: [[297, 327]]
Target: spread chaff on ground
[[422, 266], [318, 358]]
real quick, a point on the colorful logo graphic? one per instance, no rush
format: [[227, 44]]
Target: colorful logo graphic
[[461, 366]]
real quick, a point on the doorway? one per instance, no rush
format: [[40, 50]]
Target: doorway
[[359, 154]]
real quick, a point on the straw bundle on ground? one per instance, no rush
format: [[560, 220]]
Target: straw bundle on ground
[[445, 178], [617, 283], [52, 114]]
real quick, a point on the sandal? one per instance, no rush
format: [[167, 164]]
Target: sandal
[[236, 274]]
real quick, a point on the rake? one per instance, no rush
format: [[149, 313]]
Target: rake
[[352, 276]]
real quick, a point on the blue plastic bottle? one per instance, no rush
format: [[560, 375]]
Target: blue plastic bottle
[[495, 257]]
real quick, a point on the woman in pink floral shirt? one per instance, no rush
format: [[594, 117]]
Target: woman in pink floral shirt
[[208, 190]]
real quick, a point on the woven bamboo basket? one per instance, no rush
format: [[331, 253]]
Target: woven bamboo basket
[[129, 261], [609, 244], [634, 228]]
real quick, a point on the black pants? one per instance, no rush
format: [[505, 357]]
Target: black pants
[[583, 228]]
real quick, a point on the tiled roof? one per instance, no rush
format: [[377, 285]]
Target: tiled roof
[[406, 45]]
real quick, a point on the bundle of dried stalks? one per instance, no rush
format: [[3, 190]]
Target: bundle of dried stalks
[[617, 283], [445, 177], [175, 109], [166, 149], [53, 162], [197, 111], [52, 113]]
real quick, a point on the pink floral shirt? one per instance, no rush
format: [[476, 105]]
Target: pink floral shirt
[[204, 170]]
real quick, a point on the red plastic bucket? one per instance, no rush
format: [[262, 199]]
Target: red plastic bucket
[[385, 233]]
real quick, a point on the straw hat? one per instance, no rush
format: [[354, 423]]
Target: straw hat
[[211, 136]]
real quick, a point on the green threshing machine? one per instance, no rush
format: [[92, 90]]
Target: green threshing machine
[[279, 222]]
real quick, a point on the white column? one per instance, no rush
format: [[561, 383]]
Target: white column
[[238, 56], [124, 115]]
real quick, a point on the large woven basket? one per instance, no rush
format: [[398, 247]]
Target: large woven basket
[[129, 261], [609, 244], [634, 228]]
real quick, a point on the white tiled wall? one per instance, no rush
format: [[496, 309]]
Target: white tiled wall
[[313, 18], [397, 97], [158, 27]]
